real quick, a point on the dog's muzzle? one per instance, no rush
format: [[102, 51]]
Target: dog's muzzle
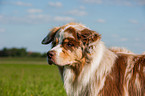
[[51, 57]]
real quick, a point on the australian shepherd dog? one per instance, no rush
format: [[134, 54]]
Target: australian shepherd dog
[[88, 68]]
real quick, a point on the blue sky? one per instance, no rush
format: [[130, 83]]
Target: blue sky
[[24, 23]]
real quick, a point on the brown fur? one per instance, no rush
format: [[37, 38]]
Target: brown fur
[[119, 50], [120, 72], [77, 68], [116, 80], [88, 36]]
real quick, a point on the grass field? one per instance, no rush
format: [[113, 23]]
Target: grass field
[[29, 77]]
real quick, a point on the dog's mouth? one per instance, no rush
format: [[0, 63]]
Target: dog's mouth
[[50, 61]]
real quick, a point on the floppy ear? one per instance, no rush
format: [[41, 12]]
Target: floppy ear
[[49, 38], [88, 36]]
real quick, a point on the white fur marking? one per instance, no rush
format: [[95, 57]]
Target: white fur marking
[[58, 49], [77, 27], [125, 91], [128, 75], [144, 70], [137, 81], [91, 73]]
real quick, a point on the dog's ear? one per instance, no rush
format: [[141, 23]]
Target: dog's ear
[[49, 38], [88, 36]]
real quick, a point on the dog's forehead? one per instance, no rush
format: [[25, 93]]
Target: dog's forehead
[[69, 30], [74, 25]]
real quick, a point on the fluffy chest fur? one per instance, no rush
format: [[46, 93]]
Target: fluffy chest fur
[[93, 76], [117, 75]]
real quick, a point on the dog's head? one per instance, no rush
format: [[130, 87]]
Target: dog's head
[[70, 43]]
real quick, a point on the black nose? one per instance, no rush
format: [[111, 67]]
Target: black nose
[[50, 54]]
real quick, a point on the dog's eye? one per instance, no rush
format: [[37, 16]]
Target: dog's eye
[[70, 44]]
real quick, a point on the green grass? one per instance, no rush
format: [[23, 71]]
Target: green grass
[[29, 77]]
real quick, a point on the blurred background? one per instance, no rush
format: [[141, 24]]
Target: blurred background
[[24, 23]]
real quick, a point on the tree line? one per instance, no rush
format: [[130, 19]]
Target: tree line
[[19, 52]]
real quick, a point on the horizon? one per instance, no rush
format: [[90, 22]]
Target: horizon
[[24, 23]]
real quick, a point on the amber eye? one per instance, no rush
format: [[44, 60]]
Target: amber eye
[[70, 44], [56, 40]]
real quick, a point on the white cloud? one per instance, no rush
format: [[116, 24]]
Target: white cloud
[[123, 39], [137, 39], [2, 30], [77, 13], [34, 10], [117, 2], [101, 21], [34, 19], [38, 19], [19, 3], [63, 19], [93, 1], [115, 35], [16, 12], [28, 19], [133, 21], [36, 16], [82, 7], [127, 3], [141, 2], [1, 16], [142, 28], [55, 4]]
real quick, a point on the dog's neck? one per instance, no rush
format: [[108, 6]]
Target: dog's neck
[[94, 72]]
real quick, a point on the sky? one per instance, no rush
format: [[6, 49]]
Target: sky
[[24, 23]]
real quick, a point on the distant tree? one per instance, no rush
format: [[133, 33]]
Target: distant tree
[[4, 52], [15, 52], [43, 55], [19, 52]]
